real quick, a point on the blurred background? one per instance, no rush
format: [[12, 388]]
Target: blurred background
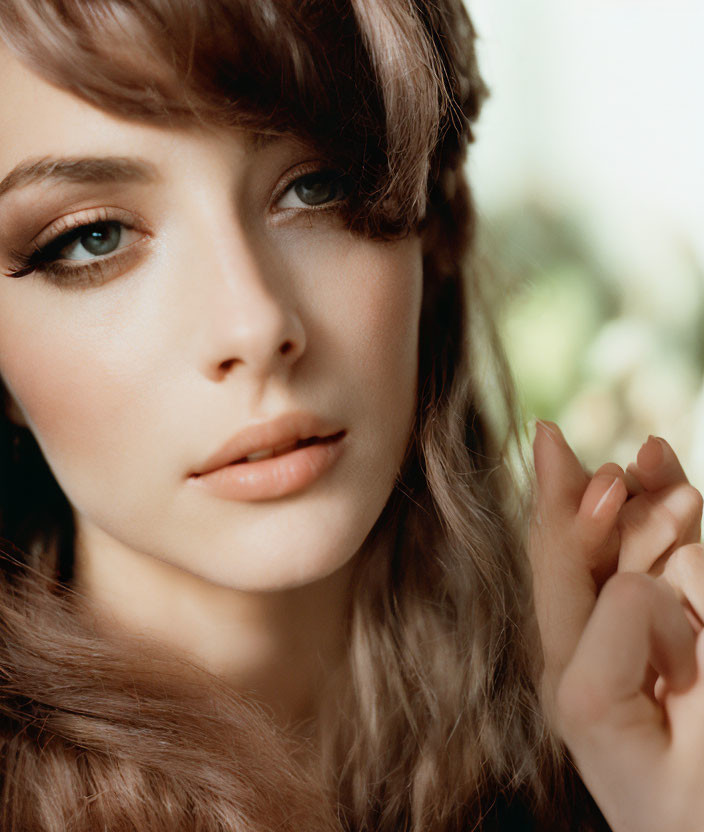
[[589, 176]]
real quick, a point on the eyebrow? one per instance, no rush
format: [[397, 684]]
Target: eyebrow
[[91, 169]]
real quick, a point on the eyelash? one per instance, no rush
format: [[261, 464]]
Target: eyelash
[[45, 259]]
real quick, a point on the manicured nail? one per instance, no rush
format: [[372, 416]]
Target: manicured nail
[[551, 429], [604, 497], [651, 455]]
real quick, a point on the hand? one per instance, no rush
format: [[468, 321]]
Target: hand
[[684, 572], [664, 516], [583, 530], [639, 752], [657, 525], [602, 698], [573, 547]]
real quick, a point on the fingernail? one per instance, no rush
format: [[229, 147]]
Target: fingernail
[[651, 454], [632, 483], [605, 497], [551, 430]]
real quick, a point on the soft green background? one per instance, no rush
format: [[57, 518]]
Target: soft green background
[[589, 176]]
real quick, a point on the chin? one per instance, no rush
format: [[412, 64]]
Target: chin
[[280, 573], [299, 548], [287, 561]]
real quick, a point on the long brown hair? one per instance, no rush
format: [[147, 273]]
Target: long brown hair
[[438, 726]]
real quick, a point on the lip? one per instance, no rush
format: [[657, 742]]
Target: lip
[[274, 477], [284, 430]]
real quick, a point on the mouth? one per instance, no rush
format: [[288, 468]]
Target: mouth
[[272, 472], [289, 433], [269, 453], [276, 451]]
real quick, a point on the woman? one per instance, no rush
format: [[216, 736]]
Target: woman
[[218, 242], [259, 573]]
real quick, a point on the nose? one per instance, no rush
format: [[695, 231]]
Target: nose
[[246, 308]]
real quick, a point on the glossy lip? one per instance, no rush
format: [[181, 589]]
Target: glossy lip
[[284, 430], [292, 471]]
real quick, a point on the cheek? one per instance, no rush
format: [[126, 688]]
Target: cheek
[[377, 312], [379, 317], [64, 382]]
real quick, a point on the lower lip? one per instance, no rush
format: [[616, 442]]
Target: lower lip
[[278, 476]]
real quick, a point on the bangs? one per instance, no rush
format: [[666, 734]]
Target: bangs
[[361, 81]]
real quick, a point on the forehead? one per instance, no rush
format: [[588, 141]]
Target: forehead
[[51, 119], [56, 123]]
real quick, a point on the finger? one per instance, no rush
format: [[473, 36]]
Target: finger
[[653, 525], [560, 477], [620, 737], [684, 572], [564, 588], [632, 484], [597, 510], [597, 521], [657, 465], [637, 623], [685, 712]]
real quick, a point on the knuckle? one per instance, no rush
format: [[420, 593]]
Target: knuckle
[[671, 526], [668, 523], [673, 563], [645, 518], [695, 501], [685, 556], [672, 571], [684, 504], [626, 590]]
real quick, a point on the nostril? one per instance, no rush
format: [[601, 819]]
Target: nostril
[[225, 366], [285, 348]]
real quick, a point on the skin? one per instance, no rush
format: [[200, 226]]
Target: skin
[[624, 681], [228, 311], [640, 754], [584, 529], [130, 384]]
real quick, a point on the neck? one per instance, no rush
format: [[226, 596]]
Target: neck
[[279, 646]]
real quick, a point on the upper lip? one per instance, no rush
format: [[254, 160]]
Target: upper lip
[[287, 428]]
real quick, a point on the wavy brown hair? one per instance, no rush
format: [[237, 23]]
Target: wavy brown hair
[[436, 724]]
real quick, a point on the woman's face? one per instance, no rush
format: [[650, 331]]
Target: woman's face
[[219, 293]]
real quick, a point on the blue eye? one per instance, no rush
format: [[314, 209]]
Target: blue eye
[[97, 239], [95, 245], [321, 187]]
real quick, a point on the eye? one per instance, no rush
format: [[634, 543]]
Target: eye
[[318, 188], [83, 253], [94, 240]]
